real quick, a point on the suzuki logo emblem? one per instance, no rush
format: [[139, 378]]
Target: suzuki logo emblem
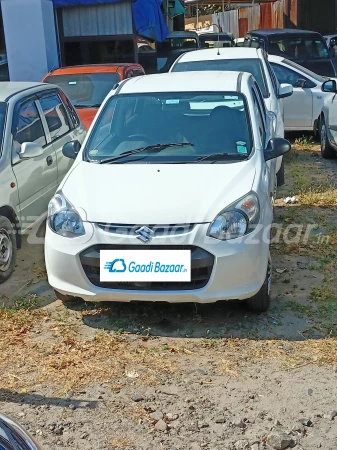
[[144, 234]]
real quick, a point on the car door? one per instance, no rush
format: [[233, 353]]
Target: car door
[[298, 108], [63, 126], [36, 178]]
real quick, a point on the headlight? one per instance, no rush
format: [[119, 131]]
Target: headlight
[[63, 218], [236, 220]]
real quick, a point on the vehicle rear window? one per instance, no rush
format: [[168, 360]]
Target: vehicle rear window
[[298, 48], [251, 65], [214, 41], [85, 90], [165, 47], [194, 124]]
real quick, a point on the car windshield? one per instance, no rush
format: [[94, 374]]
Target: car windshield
[[251, 65], [304, 70], [299, 48], [171, 128], [85, 90], [3, 110]]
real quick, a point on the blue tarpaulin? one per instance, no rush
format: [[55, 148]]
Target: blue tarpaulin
[[147, 15]]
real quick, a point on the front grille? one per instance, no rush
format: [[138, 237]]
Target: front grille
[[201, 268], [158, 230]]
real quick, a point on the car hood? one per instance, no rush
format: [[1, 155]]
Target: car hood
[[156, 194]]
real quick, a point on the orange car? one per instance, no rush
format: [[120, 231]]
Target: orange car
[[87, 86]]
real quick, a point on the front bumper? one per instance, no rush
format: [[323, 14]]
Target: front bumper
[[237, 272]]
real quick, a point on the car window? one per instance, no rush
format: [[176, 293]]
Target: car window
[[55, 114], [28, 126], [261, 120], [285, 75], [202, 123], [299, 48], [87, 89], [250, 65], [70, 109], [261, 101], [306, 71]]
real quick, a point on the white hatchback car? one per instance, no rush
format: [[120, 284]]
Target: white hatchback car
[[36, 120], [171, 196], [251, 60], [302, 110]]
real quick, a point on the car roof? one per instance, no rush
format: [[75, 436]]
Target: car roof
[[92, 68], [209, 81], [212, 54], [276, 59], [11, 88], [281, 31]]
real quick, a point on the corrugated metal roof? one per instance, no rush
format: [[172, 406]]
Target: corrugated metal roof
[[98, 20]]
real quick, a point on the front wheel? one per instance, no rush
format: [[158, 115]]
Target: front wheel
[[327, 151], [7, 249], [261, 301]]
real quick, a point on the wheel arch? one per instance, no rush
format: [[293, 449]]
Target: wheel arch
[[9, 212]]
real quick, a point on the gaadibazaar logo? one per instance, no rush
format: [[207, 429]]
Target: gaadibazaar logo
[[119, 265], [145, 265]]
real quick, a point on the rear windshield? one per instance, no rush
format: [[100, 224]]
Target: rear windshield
[[85, 90], [164, 48], [3, 111], [214, 41], [252, 66], [298, 48]]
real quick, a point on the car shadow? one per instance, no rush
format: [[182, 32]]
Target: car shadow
[[9, 396]]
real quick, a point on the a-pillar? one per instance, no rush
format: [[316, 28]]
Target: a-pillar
[[30, 37]]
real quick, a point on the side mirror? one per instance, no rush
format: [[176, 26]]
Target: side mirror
[[276, 147], [285, 90], [30, 150], [71, 149], [329, 86]]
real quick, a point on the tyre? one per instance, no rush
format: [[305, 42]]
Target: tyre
[[65, 298], [280, 175], [327, 151], [261, 301], [7, 249]]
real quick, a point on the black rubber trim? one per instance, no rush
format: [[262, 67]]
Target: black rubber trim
[[238, 85]]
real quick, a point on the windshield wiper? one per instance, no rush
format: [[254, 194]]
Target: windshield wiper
[[97, 105], [218, 156], [150, 148]]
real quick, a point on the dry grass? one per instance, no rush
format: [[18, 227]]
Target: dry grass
[[120, 443]]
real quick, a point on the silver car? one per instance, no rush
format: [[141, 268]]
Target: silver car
[[36, 120]]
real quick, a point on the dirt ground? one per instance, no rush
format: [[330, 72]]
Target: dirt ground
[[215, 377]]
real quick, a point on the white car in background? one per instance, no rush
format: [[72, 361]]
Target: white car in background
[[328, 121], [302, 110], [208, 180], [251, 60]]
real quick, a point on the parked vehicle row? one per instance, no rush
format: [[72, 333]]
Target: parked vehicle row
[[222, 121]]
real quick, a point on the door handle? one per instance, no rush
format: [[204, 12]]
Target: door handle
[[49, 160]]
